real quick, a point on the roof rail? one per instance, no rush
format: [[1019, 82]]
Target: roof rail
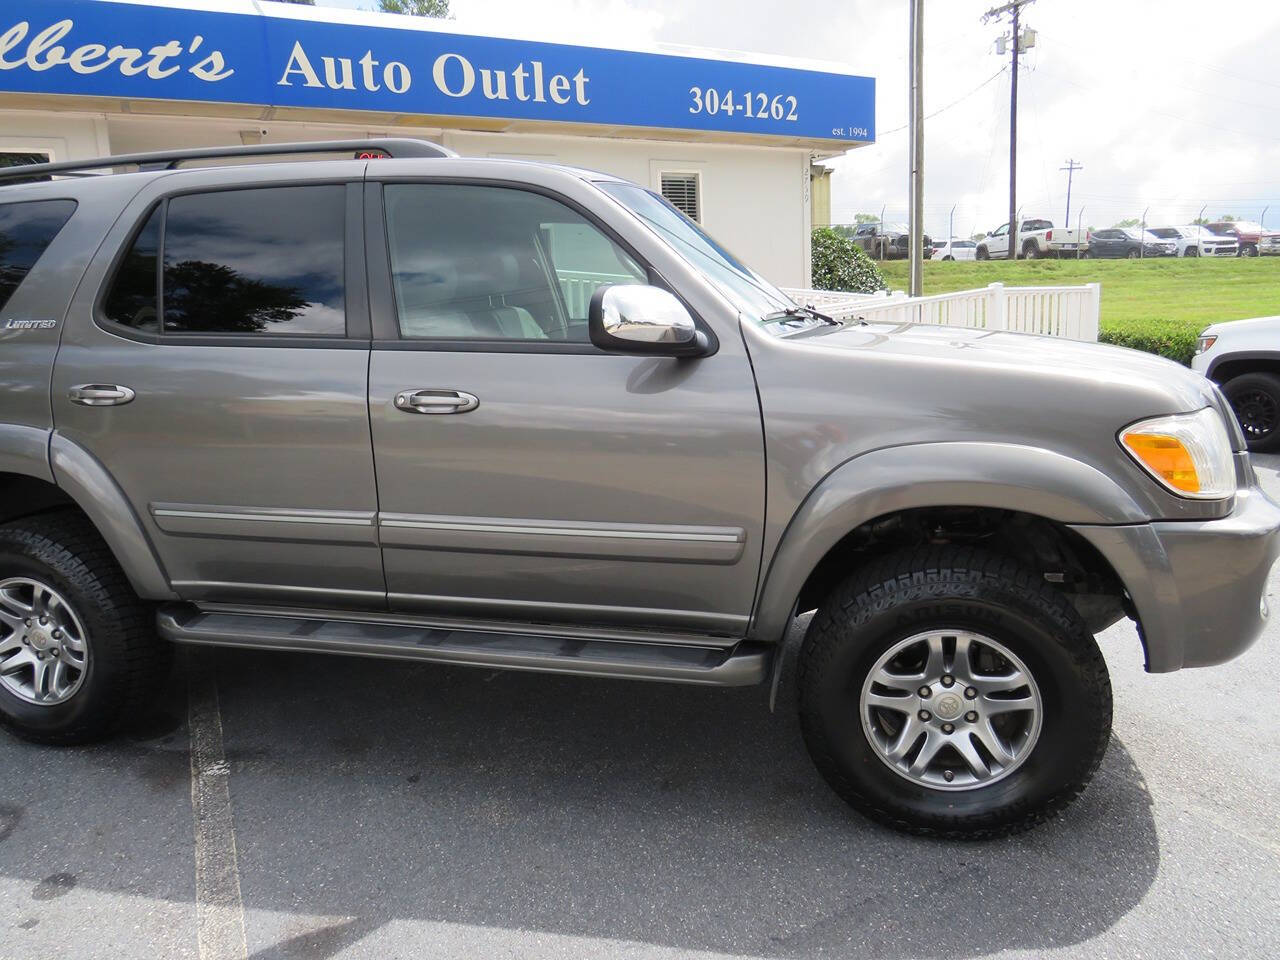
[[169, 159]]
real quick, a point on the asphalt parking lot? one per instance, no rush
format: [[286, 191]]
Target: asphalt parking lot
[[358, 808]]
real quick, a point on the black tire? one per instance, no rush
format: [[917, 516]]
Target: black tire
[[1255, 398], [1030, 252], [955, 588], [1086, 255], [1133, 255], [1248, 250], [982, 254], [1192, 252], [126, 659]]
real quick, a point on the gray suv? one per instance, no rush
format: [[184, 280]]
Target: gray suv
[[407, 405]]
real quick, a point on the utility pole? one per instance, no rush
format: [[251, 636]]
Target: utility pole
[[915, 229], [1013, 7], [1071, 168]]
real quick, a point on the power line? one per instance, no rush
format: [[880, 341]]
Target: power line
[[959, 100]]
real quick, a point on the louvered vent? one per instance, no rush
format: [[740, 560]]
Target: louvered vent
[[681, 189]]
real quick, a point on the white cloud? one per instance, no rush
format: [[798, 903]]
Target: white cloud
[[1169, 103]]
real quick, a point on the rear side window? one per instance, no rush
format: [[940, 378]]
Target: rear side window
[[26, 230], [263, 260]]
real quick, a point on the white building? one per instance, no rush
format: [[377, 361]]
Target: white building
[[728, 138]]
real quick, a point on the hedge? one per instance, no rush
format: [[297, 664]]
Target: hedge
[[840, 264], [1167, 338]]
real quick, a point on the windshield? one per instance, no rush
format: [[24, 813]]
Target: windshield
[[749, 292], [1165, 233]]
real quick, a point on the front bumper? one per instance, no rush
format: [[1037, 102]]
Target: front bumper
[[1198, 587]]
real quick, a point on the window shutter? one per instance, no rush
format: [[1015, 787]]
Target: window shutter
[[681, 190]]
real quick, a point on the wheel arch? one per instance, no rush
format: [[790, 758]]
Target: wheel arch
[[1023, 498], [1231, 365], [41, 471]]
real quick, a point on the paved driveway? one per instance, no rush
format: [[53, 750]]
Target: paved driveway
[[357, 808]]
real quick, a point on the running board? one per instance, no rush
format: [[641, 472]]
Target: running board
[[742, 665]]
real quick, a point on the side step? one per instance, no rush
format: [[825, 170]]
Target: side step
[[742, 665]]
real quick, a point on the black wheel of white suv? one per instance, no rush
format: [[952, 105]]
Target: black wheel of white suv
[[1255, 398], [78, 651], [949, 691]]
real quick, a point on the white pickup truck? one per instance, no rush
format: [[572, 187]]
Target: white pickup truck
[[1036, 238]]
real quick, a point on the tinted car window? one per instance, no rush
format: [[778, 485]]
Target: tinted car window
[[26, 230], [1165, 233], [255, 261], [494, 263], [132, 301], [1036, 225]]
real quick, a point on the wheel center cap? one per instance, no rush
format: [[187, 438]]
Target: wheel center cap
[[949, 706], [40, 638]]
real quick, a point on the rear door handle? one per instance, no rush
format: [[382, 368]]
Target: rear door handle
[[100, 395], [435, 401]]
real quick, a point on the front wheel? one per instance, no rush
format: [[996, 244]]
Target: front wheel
[[949, 691], [1192, 252], [1248, 250], [1255, 398], [982, 254], [1133, 254]]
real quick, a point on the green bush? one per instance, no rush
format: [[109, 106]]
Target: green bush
[[840, 264], [1167, 338]]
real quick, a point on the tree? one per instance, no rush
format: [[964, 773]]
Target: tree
[[416, 8], [840, 264], [1201, 221], [865, 218], [1227, 218], [1129, 222]]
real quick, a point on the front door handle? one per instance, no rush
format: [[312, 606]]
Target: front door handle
[[436, 401], [100, 395]]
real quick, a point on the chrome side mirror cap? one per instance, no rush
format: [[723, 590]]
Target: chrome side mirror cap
[[633, 318]]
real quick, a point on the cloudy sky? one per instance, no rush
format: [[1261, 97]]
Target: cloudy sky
[[1169, 104]]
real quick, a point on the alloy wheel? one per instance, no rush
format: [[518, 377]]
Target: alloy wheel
[[44, 653], [1257, 412], [951, 710]]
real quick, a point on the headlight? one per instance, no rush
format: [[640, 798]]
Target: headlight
[[1203, 343], [1189, 453]]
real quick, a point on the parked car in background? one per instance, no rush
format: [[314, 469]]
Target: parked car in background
[[1036, 238], [1196, 240], [1254, 238], [887, 241], [1121, 242], [955, 250], [1243, 357]]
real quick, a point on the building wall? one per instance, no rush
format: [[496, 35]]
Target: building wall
[[755, 200]]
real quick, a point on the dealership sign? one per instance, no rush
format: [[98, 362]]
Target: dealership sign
[[107, 49]]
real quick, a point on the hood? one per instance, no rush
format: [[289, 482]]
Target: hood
[[1068, 360], [1242, 324], [861, 387]]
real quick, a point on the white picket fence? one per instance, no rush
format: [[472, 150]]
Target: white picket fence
[[1069, 312]]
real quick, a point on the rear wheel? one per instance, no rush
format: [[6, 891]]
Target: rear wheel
[[78, 650], [1030, 251], [1133, 255], [950, 691], [1255, 398]]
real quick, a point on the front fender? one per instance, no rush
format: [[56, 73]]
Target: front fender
[[1004, 476]]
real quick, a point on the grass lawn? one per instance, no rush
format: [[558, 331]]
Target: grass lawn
[[1192, 293]]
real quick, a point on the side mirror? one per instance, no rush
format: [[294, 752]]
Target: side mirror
[[632, 318]]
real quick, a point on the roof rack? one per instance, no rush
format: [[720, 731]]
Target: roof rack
[[169, 159]]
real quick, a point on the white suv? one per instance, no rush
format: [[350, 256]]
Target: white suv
[[1244, 357], [1198, 241]]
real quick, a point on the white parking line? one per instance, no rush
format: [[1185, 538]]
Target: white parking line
[[219, 907]]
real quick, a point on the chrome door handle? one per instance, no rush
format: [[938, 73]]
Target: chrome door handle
[[436, 401], [100, 395]]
